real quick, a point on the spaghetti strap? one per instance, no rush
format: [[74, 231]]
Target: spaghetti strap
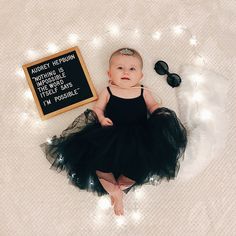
[[109, 90], [141, 90]]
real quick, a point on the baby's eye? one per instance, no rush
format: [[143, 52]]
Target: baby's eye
[[132, 68], [120, 67]]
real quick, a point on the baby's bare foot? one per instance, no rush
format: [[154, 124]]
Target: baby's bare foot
[[118, 203]]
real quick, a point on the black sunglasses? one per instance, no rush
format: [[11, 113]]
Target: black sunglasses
[[162, 68]]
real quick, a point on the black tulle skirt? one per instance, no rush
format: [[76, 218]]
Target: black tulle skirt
[[146, 153]]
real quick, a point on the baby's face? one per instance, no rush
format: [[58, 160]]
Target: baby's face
[[125, 71]]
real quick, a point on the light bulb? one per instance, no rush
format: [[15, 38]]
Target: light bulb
[[28, 95], [98, 218], [193, 41], [114, 30], [73, 38], [104, 203], [37, 124], [136, 215], [49, 140], [197, 96], [32, 54], [200, 60], [24, 116], [178, 29], [197, 78], [136, 33], [139, 194], [20, 72], [120, 221], [52, 48], [97, 41], [205, 115], [156, 35]]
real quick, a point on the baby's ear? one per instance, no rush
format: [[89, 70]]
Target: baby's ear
[[108, 73]]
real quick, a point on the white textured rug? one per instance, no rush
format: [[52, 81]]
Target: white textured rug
[[193, 37]]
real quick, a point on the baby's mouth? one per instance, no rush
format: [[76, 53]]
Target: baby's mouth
[[125, 78]]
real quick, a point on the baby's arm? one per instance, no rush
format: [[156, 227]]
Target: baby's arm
[[99, 108], [151, 103]]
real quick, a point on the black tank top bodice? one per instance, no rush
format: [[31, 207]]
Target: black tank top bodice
[[126, 111]]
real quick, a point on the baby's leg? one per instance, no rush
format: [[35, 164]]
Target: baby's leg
[[109, 183], [125, 182], [107, 176]]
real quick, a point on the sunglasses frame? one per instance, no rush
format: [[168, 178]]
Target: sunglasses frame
[[162, 68]]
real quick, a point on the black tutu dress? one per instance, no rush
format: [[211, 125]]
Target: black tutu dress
[[144, 147]]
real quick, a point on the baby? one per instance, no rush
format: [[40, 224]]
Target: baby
[[125, 74]]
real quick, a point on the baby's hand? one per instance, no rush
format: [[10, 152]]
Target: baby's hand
[[106, 122]]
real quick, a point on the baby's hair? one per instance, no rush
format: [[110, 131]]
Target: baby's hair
[[127, 52]]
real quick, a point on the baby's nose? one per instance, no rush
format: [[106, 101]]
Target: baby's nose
[[126, 71]]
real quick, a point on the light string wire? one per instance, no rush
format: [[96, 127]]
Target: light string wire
[[75, 39], [116, 31]]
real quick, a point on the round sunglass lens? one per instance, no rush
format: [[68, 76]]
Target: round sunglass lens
[[161, 68], [173, 80]]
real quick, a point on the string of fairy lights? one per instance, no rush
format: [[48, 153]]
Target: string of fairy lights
[[97, 42]]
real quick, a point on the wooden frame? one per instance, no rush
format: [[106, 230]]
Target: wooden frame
[[49, 59]]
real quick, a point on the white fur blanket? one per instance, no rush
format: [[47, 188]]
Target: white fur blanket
[[202, 98]]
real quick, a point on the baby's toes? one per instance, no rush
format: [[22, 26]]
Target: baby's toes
[[116, 211], [119, 209]]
